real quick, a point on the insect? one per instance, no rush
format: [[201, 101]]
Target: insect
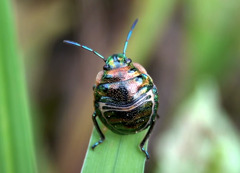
[[125, 97]]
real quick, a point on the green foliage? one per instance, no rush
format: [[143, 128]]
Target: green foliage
[[212, 35], [16, 140], [118, 153], [201, 139]]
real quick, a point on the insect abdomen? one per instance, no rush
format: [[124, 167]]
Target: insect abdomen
[[129, 118]]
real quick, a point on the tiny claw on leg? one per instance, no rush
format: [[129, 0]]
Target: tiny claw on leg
[[96, 144], [146, 153], [145, 139], [102, 137]]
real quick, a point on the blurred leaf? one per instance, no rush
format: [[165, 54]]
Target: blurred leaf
[[153, 17], [118, 153], [16, 140], [212, 32], [201, 139]]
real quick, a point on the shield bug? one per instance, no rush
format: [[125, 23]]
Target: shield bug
[[125, 97]]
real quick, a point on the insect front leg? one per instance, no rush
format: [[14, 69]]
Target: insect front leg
[[94, 116], [145, 139], [94, 86]]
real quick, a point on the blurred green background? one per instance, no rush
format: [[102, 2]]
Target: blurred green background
[[190, 48]]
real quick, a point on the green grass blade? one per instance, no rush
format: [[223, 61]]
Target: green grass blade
[[118, 153], [16, 141]]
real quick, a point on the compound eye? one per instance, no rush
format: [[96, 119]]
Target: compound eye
[[105, 67], [129, 61]]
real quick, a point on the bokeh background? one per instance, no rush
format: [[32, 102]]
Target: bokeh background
[[190, 49]]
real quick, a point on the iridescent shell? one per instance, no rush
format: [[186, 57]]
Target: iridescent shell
[[125, 97]]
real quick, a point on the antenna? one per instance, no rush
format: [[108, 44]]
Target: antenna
[[129, 35], [84, 47]]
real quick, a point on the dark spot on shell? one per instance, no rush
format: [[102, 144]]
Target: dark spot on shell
[[132, 70], [139, 79], [119, 94], [107, 76], [128, 61]]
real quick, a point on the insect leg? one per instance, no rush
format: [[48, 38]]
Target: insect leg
[[145, 139], [94, 86], [94, 116]]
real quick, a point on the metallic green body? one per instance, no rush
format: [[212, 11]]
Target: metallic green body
[[125, 99], [111, 103]]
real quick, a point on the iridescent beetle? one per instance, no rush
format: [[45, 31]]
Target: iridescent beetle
[[125, 97]]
